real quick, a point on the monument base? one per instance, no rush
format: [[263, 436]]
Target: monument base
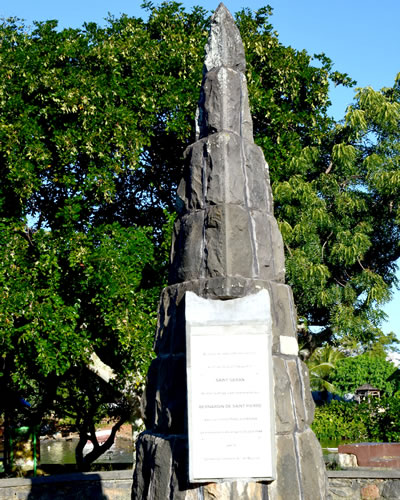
[[162, 472]]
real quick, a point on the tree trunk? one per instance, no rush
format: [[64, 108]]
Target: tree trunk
[[84, 461]]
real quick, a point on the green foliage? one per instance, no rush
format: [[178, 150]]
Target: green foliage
[[341, 421], [93, 126], [60, 297], [94, 123], [352, 372], [373, 420], [80, 109], [321, 364], [333, 185], [63, 297]]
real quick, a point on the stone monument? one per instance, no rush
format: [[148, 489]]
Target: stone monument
[[226, 245]]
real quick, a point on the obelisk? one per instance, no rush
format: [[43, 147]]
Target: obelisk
[[226, 245]]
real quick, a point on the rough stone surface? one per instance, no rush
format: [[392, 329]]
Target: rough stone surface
[[345, 489], [95, 485], [288, 484], [220, 114], [370, 492], [117, 485], [283, 310], [309, 452], [297, 390], [224, 202], [308, 400], [284, 412], [170, 337], [391, 490], [165, 401], [226, 244], [347, 460], [234, 491], [224, 46], [160, 471]]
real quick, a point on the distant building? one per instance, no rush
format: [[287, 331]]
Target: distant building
[[366, 391]]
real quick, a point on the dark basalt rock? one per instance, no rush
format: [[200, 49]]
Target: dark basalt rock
[[226, 244]]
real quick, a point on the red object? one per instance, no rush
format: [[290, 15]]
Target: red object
[[374, 454]]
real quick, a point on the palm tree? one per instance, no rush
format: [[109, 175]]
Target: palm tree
[[320, 364]]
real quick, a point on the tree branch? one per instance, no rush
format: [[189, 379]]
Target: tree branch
[[323, 246], [102, 370], [362, 267], [288, 249]]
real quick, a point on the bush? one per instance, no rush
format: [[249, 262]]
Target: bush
[[339, 421], [373, 420], [352, 372]]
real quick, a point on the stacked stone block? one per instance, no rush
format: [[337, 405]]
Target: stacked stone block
[[226, 245]]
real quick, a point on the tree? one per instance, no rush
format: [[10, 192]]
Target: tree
[[63, 301], [352, 372], [321, 364], [93, 126], [372, 420], [348, 263]]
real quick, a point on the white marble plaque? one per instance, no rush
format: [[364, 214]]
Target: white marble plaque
[[230, 390]]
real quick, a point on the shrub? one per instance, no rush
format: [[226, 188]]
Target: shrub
[[372, 420], [350, 373], [339, 421]]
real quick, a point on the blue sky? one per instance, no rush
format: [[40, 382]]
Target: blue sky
[[360, 36]]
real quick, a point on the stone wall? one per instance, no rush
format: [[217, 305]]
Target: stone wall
[[115, 485], [364, 484], [361, 484]]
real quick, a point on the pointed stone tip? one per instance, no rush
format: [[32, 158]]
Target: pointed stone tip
[[224, 46], [222, 8]]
